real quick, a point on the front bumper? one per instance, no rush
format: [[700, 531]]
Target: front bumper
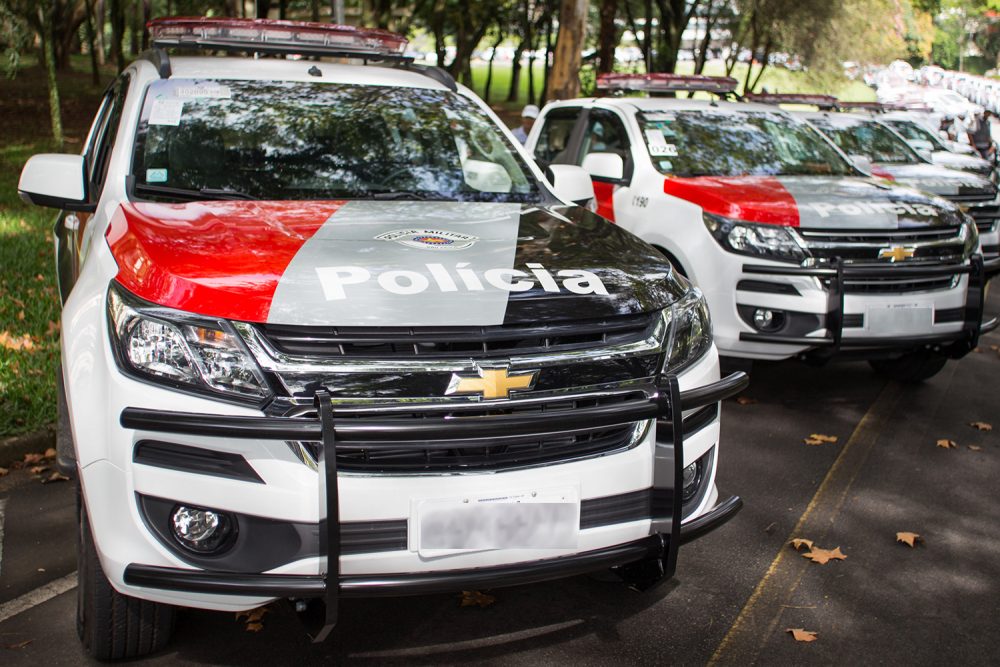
[[955, 343], [314, 586], [658, 550]]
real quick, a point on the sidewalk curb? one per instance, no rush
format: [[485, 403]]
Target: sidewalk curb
[[15, 447]]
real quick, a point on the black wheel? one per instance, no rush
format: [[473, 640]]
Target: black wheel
[[912, 367], [113, 626]]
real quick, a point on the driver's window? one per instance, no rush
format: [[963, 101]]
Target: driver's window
[[554, 140], [605, 134]]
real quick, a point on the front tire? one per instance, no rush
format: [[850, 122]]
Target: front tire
[[912, 367], [113, 626]]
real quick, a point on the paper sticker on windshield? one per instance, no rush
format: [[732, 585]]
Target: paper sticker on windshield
[[156, 175], [166, 112], [211, 90]]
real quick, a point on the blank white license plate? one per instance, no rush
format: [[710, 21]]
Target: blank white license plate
[[899, 319], [548, 519]]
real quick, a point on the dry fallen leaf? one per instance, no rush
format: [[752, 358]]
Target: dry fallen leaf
[[947, 444], [20, 315], [981, 426], [19, 644], [50, 453], [37, 470], [824, 438], [909, 539], [745, 400], [4, 472], [799, 542], [255, 627], [12, 342], [31, 459], [477, 599], [56, 476], [975, 448], [802, 635], [823, 556]]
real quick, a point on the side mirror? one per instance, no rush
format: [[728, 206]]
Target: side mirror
[[571, 183], [861, 162], [55, 180], [605, 165]]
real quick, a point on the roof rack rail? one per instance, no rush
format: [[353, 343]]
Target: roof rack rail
[[667, 83], [817, 100], [875, 107]]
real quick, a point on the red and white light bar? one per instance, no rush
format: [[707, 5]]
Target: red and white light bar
[[273, 36], [667, 83], [821, 101]]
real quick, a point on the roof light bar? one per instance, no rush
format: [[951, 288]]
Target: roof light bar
[[273, 36], [821, 101], [667, 83]]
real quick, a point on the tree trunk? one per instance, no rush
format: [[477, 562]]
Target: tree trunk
[[263, 7], [706, 42], [136, 28], [489, 67], [608, 37], [47, 16], [565, 81], [515, 73], [282, 9], [117, 33], [647, 35], [99, 31], [95, 73], [548, 56], [147, 13], [314, 10]]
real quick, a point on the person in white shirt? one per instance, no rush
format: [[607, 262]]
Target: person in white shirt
[[528, 115]]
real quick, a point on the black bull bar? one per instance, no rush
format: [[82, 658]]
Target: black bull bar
[[643, 563], [838, 273]]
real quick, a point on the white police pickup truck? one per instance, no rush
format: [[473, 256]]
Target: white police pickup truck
[[327, 332]]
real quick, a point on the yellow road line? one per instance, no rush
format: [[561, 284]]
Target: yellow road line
[[757, 620]]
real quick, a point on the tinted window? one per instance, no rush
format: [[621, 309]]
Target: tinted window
[[105, 136], [605, 134], [873, 140], [746, 143], [913, 132], [553, 141], [301, 140]]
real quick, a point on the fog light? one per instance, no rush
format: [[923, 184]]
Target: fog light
[[201, 530], [690, 481], [765, 319]]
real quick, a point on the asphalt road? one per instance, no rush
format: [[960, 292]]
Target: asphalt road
[[737, 590]]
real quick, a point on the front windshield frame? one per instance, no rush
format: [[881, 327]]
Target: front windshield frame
[[840, 131], [773, 157], [472, 129]]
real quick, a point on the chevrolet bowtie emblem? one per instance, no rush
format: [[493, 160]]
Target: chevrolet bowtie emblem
[[896, 253], [491, 383]]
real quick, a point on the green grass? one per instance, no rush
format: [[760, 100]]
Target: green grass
[[29, 305]]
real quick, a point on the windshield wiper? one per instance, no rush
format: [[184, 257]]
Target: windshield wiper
[[411, 194], [201, 193]]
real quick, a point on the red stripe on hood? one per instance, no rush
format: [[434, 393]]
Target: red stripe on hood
[[221, 258], [752, 198]]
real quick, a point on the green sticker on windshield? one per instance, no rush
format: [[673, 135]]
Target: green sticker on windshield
[[156, 175]]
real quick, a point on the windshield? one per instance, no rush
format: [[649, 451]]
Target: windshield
[[746, 143], [274, 140], [873, 140], [912, 131]]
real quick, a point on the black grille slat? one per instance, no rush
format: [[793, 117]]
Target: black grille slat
[[444, 342]]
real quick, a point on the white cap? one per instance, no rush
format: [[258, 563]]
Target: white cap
[[529, 111]]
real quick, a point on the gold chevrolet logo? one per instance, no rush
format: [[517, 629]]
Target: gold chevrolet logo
[[896, 253], [491, 383]]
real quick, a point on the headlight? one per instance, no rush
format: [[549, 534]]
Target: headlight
[[970, 236], [181, 350], [746, 238], [690, 332]]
